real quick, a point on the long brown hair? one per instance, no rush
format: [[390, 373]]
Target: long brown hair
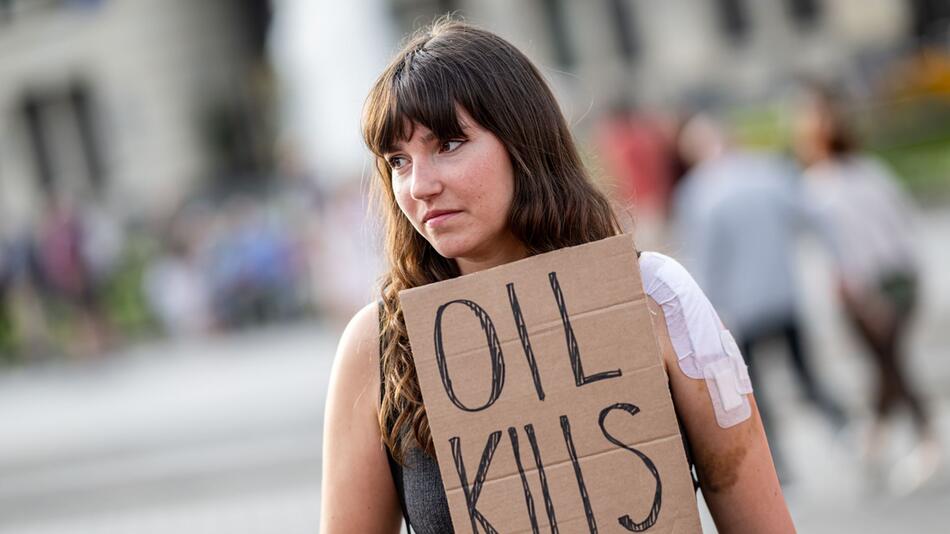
[[555, 204]]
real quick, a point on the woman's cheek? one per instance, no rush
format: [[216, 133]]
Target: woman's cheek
[[402, 200]]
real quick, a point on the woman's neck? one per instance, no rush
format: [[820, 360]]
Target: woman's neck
[[498, 254]]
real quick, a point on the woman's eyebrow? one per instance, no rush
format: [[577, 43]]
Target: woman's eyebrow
[[425, 139], [400, 145]]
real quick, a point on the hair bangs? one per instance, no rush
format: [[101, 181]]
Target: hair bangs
[[418, 93]]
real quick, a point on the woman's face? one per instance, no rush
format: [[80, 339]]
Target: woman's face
[[457, 193], [810, 132]]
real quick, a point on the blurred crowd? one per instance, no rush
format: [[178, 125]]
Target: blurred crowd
[[735, 215], [80, 283]]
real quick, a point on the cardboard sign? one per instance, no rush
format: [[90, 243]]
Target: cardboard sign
[[547, 399]]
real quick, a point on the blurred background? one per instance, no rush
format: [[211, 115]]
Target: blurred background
[[184, 232]]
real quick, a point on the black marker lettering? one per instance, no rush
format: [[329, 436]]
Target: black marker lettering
[[654, 514], [494, 351], [525, 342], [573, 350], [548, 504], [472, 494], [528, 499], [569, 441]]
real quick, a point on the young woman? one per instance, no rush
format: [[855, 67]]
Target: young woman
[[867, 224], [477, 168]]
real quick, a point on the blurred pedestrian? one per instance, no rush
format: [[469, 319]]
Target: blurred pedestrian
[[635, 150], [868, 226], [67, 277], [737, 215], [174, 284], [7, 344]]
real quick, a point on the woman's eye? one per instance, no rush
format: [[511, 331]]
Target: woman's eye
[[449, 146], [396, 162]]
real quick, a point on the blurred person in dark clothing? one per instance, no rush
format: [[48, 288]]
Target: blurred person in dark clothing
[[867, 223], [737, 215], [59, 248], [6, 319], [28, 321], [66, 276]]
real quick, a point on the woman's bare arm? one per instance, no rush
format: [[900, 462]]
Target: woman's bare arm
[[358, 494], [734, 464]]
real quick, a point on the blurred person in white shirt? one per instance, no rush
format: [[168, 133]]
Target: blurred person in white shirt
[[867, 225], [737, 217], [175, 284]]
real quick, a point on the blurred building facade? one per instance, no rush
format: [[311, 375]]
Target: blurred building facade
[[123, 103], [597, 54], [135, 101]]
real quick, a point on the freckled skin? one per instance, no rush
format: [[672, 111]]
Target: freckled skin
[[472, 176]]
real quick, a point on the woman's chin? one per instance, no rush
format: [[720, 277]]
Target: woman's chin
[[450, 253], [452, 250]]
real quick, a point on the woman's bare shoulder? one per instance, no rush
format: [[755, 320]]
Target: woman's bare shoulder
[[357, 356], [358, 491], [363, 328]]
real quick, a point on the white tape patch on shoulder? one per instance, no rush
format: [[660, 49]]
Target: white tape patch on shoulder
[[704, 348], [728, 382]]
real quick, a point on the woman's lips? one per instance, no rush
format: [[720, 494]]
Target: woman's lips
[[438, 220]]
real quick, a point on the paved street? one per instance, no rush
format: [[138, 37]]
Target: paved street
[[223, 435], [214, 436]]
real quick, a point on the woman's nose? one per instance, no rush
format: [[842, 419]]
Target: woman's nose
[[426, 181]]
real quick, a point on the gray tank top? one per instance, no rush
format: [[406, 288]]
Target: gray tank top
[[421, 494], [419, 485]]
